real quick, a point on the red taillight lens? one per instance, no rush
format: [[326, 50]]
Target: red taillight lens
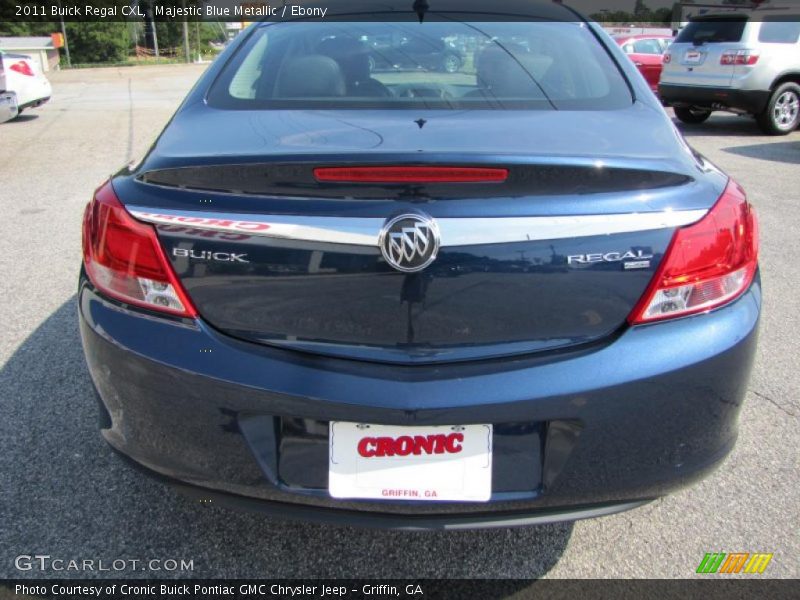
[[667, 58], [124, 259], [23, 68], [411, 174], [738, 57], [707, 264]]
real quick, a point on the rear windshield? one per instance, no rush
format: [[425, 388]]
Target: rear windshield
[[711, 31], [451, 64]]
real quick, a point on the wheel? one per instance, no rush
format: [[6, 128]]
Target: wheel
[[451, 63], [691, 115], [782, 114]]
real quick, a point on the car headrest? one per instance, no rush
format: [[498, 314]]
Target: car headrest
[[510, 72], [351, 54], [312, 76]]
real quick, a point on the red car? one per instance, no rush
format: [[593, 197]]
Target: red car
[[647, 53]]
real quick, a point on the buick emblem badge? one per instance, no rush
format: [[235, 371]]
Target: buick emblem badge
[[409, 242]]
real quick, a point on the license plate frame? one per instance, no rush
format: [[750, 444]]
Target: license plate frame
[[693, 57], [410, 463]]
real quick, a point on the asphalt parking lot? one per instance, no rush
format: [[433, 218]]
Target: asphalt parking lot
[[64, 493]]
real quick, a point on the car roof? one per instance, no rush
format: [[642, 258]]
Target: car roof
[[533, 9], [624, 39], [643, 36]]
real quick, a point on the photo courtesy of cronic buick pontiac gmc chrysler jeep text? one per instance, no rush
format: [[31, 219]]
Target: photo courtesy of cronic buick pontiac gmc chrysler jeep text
[[422, 297]]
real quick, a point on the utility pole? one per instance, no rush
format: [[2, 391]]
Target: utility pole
[[155, 39], [186, 35], [197, 40], [150, 23], [64, 35]]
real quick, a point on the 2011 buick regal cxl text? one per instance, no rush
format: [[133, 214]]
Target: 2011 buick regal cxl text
[[507, 294]]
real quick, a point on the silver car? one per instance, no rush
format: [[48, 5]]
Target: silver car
[[741, 62]]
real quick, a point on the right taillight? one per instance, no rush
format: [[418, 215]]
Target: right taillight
[[124, 259], [738, 57], [707, 264]]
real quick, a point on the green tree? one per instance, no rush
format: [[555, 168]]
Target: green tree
[[170, 35], [98, 42], [211, 32], [662, 16], [640, 10], [17, 28], [613, 16]]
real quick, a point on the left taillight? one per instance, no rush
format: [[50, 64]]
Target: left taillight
[[23, 68], [124, 260], [707, 264]]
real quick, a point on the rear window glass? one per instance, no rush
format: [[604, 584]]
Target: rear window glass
[[710, 31], [450, 64], [780, 32], [647, 47]]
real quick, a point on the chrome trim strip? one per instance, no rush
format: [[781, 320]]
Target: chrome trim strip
[[468, 232], [459, 231], [337, 230]]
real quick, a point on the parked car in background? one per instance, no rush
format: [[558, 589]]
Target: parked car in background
[[746, 63], [647, 53], [8, 100], [24, 78], [406, 49]]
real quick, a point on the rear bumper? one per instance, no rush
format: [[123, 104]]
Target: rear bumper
[[751, 101], [408, 522], [577, 435], [34, 103]]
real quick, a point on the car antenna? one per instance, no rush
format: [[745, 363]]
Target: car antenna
[[420, 7]]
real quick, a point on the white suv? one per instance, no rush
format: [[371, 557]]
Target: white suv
[[23, 78], [746, 63]]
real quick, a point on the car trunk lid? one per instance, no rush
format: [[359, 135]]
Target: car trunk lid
[[553, 256]]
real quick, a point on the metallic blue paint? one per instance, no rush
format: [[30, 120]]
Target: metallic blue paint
[[632, 419]]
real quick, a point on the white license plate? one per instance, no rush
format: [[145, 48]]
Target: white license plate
[[692, 57], [410, 463]]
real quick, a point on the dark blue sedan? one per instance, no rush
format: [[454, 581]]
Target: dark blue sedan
[[509, 294]]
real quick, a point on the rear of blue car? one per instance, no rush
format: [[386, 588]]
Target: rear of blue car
[[505, 295]]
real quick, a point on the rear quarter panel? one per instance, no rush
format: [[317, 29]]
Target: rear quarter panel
[[775, 62]]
